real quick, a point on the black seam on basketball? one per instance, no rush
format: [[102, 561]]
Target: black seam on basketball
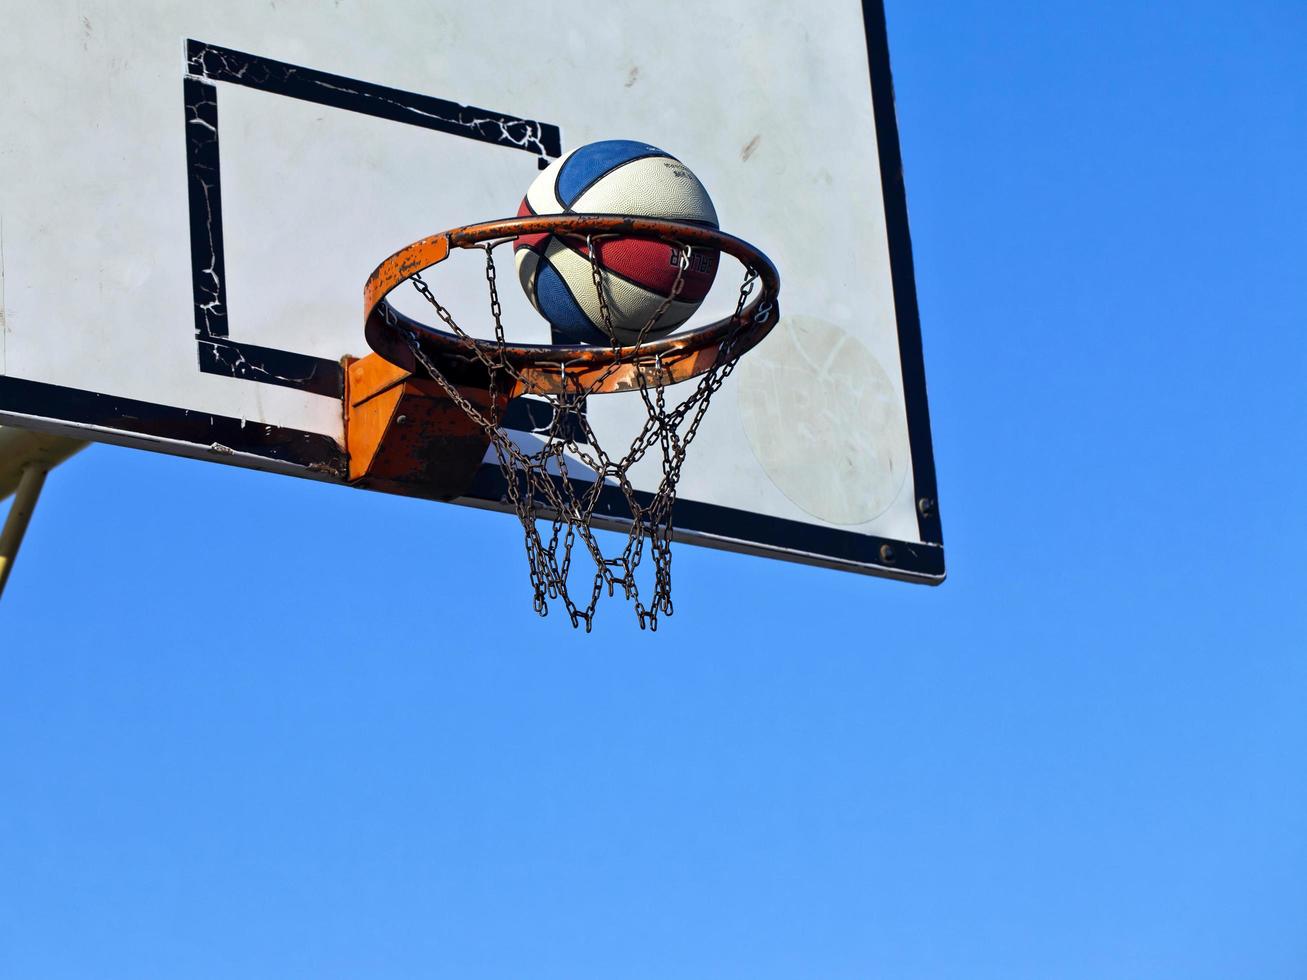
[[543, 254], [631, 282], [558, 196], [567, 287], [526, 198], [534, 295], [598, 328], [533, 250], [562, 162]]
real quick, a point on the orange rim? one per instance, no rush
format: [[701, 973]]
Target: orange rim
[[561, 368]]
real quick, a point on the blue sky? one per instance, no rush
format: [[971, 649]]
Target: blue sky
[[226, 752]]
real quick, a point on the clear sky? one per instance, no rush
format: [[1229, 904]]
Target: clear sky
[[225, 751]]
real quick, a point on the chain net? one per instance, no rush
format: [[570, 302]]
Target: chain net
[[556, 487]]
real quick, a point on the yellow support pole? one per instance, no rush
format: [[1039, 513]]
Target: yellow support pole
[[20, 513], [25, 458]]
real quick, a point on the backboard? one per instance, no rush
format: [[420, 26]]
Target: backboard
[[191, 197]]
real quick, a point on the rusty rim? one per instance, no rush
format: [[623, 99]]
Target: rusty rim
[[557, 368]]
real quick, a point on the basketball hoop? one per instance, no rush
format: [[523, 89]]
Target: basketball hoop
[[483, 375]]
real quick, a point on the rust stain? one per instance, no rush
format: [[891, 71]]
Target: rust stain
[[403, 434]]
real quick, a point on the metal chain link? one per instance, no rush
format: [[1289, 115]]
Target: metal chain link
[[540, 484]]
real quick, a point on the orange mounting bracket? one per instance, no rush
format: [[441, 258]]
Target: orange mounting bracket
[[404, 435]]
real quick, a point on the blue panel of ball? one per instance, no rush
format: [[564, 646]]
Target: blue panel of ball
[[591, 162], [557, 305]]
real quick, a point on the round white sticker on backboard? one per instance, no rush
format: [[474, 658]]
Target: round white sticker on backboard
[[824, 420]]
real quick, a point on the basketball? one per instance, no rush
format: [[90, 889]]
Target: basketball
[[637, 275]]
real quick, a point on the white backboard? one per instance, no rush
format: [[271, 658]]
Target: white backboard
[[191, 197]]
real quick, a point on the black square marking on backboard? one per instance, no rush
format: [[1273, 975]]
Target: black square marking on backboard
[[208, 64]]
